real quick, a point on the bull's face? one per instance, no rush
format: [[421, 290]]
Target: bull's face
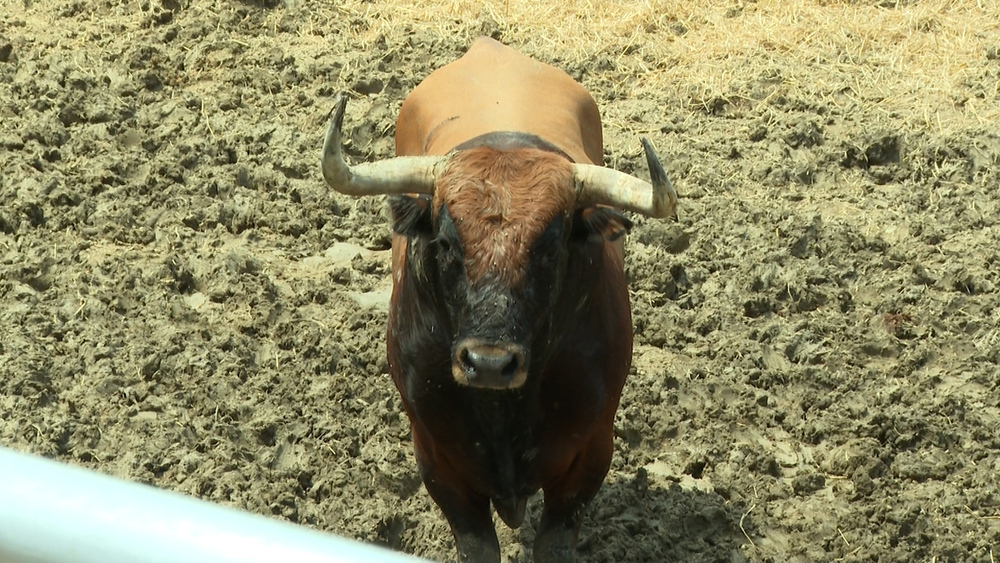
[[493, 244], [492, 248]]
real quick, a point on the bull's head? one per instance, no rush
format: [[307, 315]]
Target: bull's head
[[496, 258]]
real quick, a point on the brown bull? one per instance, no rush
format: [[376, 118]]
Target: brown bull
[[509, 333]]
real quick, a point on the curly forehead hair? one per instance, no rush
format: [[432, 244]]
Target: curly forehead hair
[[501, 201]]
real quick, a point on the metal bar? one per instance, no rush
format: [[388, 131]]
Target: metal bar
[[55, 513]]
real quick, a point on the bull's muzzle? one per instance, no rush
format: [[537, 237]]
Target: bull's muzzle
[[489, 365]]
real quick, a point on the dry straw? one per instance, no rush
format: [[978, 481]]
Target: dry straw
[[917, 61]]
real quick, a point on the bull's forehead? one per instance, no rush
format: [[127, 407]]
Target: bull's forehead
[[501, 201]]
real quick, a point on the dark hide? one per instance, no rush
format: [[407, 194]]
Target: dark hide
[[554, 432]]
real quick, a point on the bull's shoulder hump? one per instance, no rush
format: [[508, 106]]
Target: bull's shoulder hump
[[490, 56], [486, 47], [494, 87], [484, 42]]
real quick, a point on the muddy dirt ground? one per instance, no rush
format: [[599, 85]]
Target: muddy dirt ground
[[183, 302]]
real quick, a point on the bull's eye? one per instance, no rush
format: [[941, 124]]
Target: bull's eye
[[550, 242], [447, 250]]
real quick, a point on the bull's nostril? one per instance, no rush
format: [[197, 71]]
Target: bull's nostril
[[467, 364], [510, 370]]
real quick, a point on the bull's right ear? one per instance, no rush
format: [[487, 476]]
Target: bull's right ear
[[411, 215], [596, 223]]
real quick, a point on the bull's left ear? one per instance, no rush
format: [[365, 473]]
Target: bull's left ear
[[411, 215], [600, 222]]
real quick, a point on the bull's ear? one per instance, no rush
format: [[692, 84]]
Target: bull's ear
[[411, 215], [600, 223]]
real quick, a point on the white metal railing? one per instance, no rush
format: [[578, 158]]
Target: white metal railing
[[56, 513]]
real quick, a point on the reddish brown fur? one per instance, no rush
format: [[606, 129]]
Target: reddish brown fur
[[501, 202], [495, 88], [479, 446]]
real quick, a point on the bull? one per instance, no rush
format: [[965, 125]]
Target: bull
[[509, 330]]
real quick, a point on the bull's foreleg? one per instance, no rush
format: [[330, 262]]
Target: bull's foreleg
[[467, 512], [566, 502], [470, 519]]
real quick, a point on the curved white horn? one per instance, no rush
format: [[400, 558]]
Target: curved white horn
[[600, 185], [400, 175]]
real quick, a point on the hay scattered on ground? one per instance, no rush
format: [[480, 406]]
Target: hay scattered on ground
[[902, 60]]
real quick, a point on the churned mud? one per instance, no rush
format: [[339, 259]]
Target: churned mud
[[184, 303]]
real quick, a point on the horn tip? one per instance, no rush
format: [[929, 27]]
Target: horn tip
[[663, 190], [335, 170], [656, 172], [339, 105]]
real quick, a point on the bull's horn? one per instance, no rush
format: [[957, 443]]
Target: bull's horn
[[400, 175], [597, 184]]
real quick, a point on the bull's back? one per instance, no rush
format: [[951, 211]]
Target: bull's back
[[495, 88]]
